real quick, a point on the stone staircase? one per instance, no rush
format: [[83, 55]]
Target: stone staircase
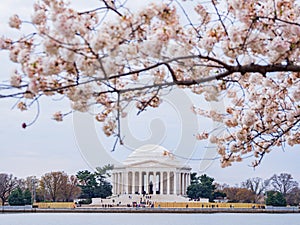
[[127, 200]]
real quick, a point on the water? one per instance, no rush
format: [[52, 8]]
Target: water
[[148, 219]]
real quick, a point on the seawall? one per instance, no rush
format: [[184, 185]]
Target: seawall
[[147, 210]]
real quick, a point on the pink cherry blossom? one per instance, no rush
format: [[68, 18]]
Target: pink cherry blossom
[[15, 79], [58, 116], [22, 106], [15, 22]]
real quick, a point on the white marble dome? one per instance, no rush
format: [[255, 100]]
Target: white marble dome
[[153, 153]]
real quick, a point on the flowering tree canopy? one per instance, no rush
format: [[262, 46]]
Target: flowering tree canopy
[[245, 52]]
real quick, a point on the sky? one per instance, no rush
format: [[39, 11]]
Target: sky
[[77, 143]]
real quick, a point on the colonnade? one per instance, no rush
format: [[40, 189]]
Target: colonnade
[[150, 182]]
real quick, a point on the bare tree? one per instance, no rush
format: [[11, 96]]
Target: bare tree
[[257, 185], [293, 197], [52, 184], [283, 183], [71, 190], [7, 184], [58, 186], [236, 194], [21, 183], [221, 187]]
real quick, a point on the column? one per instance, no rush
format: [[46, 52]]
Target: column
[[140, 182], [126, 182], [123, 182], [147, 182], [168, 182], [116, 183], [119, 183], [129, 182], [179, 183], [113, 182], [184, 190], [185, 183], [175, 183], [133, 183], [182, 183], [161, 187], [154, 182], [182, 175], [117, 180]]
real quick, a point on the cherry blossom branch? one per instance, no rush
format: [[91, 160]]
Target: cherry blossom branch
[[278, 19], [144, 105], [118, 135], [245, 53], [219, 16], [251, 68], [111, 6], [188, 18], [92, 10], [266, 149]]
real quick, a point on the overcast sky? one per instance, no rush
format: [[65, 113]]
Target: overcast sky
[[78, 144]]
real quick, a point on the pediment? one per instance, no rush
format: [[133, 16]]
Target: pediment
[[150, 164]]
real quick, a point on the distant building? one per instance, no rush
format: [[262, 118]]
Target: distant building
[[221, 200], [151, 170]]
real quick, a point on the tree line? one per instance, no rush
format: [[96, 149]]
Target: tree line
[[278, 190], [55, 187]]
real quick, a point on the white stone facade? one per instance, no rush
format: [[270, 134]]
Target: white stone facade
[[152, 170]]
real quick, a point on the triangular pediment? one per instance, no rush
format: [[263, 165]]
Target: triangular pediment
[[150, 164]]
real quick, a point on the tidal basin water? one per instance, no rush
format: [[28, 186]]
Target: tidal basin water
[[147, 219]]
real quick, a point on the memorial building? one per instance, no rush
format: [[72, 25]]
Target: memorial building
[[151, 170]]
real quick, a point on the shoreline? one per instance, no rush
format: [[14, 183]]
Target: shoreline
[[148, 210]]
